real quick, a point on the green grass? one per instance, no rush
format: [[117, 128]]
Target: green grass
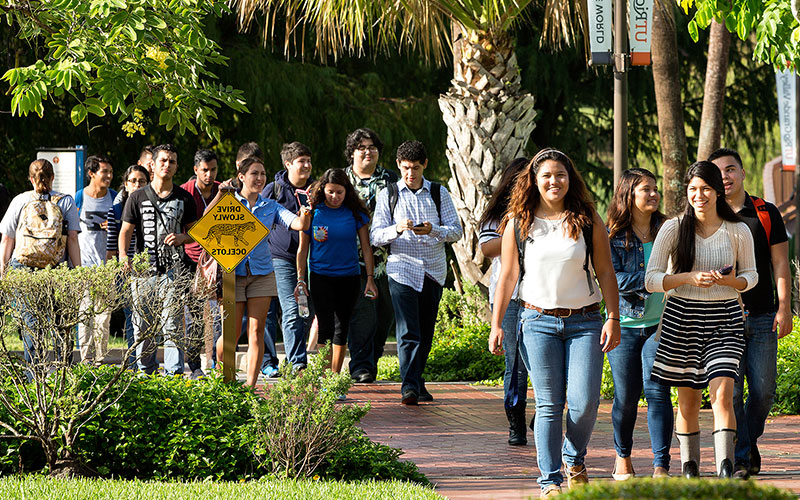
[[38, 487], [14, 343]]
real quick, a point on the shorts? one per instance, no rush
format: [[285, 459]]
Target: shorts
[[251, 286]]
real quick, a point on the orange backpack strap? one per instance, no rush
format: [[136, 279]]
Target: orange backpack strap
[[763, 215]]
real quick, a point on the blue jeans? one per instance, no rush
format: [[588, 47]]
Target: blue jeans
[[759, 365], [154, 299], [631, 363], [415, 313], [294, 327], [566, 364], [131, 363], [515, 377]]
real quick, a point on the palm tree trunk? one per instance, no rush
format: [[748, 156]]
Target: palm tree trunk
[[489, 120], [667, 83], [719, 44]]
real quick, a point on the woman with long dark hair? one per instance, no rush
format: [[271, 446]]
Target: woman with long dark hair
[[329, 249], [515, 377], [135, 177], [702, 260], [633, 222], [565, 254]]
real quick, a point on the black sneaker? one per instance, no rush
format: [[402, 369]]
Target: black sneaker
[[410, 398], [424, 396], [740, 471], [362, 377], [755, 461], [196, 374]]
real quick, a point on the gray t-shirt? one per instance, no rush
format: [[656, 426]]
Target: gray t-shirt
[[93, 237], [8, 226]]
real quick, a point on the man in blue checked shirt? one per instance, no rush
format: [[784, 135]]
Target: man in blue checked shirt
[[416, 230]]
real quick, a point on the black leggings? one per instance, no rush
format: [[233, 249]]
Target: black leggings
[[334, 294]]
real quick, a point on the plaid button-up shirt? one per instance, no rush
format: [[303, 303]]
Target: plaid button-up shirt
[[413, 256]]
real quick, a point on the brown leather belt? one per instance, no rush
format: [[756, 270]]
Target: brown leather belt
[[562, 312]]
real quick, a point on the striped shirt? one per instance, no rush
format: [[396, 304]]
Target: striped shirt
[[414, 256]]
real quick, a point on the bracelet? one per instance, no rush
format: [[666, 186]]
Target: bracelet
[[613, 319], [370, 276], [301, 281]]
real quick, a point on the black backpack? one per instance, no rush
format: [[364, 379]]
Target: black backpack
[[436, 196], [587, 237]]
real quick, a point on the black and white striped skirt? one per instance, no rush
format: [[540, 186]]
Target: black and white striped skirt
[[700, 340]]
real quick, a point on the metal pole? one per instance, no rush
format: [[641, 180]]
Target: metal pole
[[621, 65], [796, 190]]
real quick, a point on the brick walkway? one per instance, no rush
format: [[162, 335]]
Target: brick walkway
[[459, 442]]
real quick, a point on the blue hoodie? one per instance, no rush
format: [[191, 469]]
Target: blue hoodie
[[283, 242]]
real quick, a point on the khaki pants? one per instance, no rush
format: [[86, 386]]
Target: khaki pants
[[93, 338]]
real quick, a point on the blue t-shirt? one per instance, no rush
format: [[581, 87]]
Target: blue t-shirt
[[269, 213], [334, 241]]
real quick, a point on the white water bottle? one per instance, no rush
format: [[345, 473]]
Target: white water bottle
[[302, 303]]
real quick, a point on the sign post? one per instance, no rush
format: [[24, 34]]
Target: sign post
[[228, 231]]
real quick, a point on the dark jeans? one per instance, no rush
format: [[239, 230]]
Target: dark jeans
[[631, 363], [759, 365], [415, 314], [294, 327], [515, 376], [370, 324]]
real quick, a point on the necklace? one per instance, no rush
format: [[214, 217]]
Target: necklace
[[552, 222], [644, 236]]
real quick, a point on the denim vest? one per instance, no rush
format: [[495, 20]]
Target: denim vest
[[630, 270]]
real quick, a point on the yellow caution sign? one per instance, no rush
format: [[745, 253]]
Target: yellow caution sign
[[228, 232]]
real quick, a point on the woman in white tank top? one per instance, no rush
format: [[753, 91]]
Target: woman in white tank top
[[563, 336]]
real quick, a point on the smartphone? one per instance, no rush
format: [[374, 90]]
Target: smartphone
[[726, 270], [302, 197], [369, 294], [421, 224]]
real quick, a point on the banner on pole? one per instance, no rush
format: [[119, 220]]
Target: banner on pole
[[600, 38], [641, 29], [787, 114]]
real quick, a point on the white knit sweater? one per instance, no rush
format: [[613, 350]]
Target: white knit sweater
[[714, 252]]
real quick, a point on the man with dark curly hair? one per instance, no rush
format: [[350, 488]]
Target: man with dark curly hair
[[415, 218]]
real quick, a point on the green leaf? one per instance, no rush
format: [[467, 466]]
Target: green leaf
[[78, 114], [693, 30]]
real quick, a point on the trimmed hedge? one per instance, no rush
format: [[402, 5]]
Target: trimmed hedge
[[677, 489]]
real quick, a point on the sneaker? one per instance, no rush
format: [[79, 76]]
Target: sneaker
[[550, 491], [341, 397], [424, 396], [741, 471], [755, 461], [196, 374], [362, 377], [576, 475], [410, 398], [270, 371]]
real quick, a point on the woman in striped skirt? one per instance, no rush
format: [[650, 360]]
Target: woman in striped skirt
[[702, 260]]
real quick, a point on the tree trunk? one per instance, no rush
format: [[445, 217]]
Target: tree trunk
[[489, 121], [667, 85], [719, 44]]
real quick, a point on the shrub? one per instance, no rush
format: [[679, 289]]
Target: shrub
[[457, 310], [676, 488], [299, 423], [362, 459], [172, 427]]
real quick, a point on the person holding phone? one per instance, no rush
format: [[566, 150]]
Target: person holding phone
[[702, 328], [329, 250], [633, 222], [288, 189]]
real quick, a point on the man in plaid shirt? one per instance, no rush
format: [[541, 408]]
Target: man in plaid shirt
[[416, 232]]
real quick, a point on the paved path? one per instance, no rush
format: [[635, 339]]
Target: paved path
[[459, 442]]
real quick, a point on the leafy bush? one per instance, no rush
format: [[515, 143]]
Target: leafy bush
[[299, 424], [457, 310], [676, 488], [362, 459], [172, 427]]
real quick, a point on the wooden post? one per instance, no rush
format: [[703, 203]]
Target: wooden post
[[229, 329]]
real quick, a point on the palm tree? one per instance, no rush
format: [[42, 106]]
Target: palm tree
[[489, 117]]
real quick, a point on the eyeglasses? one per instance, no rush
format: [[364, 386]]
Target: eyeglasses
[[138, 182], [371, 148]]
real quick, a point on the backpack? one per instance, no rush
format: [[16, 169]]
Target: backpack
[[41, 232], [587, 237], [436, 196], [763, 215]]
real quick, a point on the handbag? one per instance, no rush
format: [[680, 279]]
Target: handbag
[[208, 277]]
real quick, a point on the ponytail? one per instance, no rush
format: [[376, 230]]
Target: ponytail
[[41, 175]]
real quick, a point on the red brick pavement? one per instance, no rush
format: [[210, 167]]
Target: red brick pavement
[[459, 442]]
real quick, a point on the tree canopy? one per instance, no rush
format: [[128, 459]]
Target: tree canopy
[[777, 31], [122, 57]]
